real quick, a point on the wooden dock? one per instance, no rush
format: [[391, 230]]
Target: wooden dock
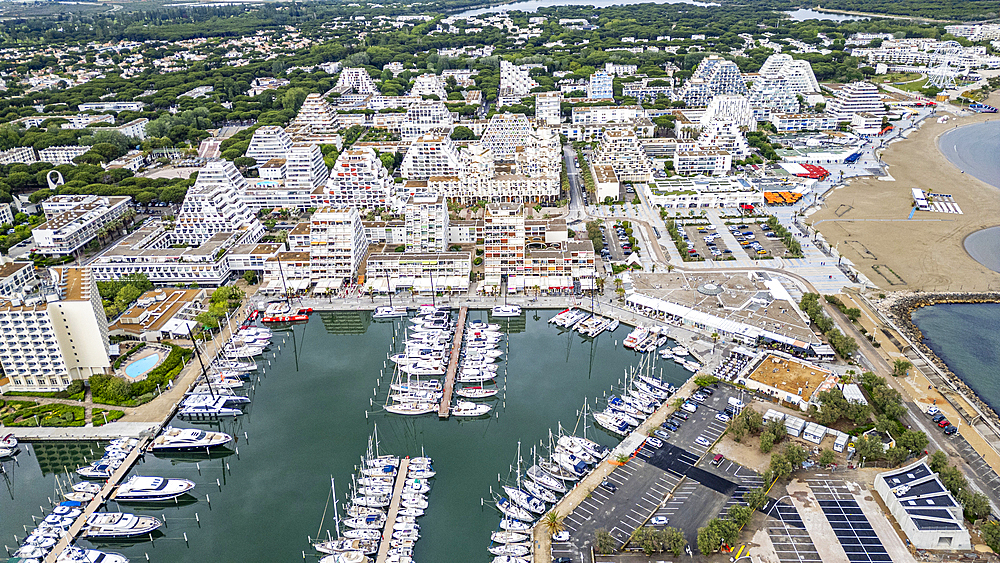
[[449, 381], [98, 501], [390, 521]]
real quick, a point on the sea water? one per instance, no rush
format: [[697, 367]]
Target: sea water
[[307, 423]]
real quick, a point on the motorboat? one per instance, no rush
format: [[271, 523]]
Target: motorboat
[[375, 490], [545, 479], [389, 312], [679, 351], [87, 487], [510, 559], [539, 491], [364, 534], [421, 473], [29, 553], [367, 547], [570, 463], [411, 408], [691, 366], [8, 441], [209, 411], [508, 537], [152, 489], [423, 367], [405, 527], [475, 376], [612, 423], [98, 470], [356, 511], [637, 335], [466, 408], [79, 497], [226, 399], [417, 485], [478, 365], [370, 521], [8, 452], [525, 500], [476, 392], [378, 502], [420, 461], [406, 535], [111, 525], [512, 549], [414, 503], [41, 541], [73, 554], [374, 481], [482, 325], [414, 512], [188, 440], [506, 311], [346, 557], [511, 510]]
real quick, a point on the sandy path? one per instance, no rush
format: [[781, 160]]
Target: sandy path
[[867, 220]]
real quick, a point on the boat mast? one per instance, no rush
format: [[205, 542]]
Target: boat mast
[[201, 363], [336, 515], [284, 288]]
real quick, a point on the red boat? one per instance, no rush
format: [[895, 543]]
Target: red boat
[[285, 318]]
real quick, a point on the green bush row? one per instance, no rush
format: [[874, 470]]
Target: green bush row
[[118, 362]]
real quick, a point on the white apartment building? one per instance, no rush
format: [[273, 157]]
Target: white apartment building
[[61, 154], [606, 114], [695, 193], [72, 221], [215, 204], [392, 233], [716, 162], [616, 69], [48, 342], [18, 155], [426, 116], [548, 108], [337, 246], [426, 224], [515, 83], [600, 86], [268, 142], [6, 215], [111, 106], [857, 97], [274, 194], [16, 278], [974, 32], [620, 149], [504, 133], [423, 272], [797, 73], [713, 76], [429, 85], [725, 136], [358, 179], [865, 124], [316, 116], [286, 273], [503, 241], [431, 155], [735, 109], [135, 128], [356, 80], [803, 122], [251, 257], [304, 168], [866, 38]]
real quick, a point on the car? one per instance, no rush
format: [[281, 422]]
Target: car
[[661, 434], [671, 425], [944, 422], [696, 255], [692, 251], [659, 521], [937, 418], [561, 559], [676, 422], [655, 442], [727, 251], [765, 228], [689, 406], [949, 430], [702, 441], [932, 410], [608, 486], [718, 459], [722, 417], [706, 391], [699, 397], [680, 414]]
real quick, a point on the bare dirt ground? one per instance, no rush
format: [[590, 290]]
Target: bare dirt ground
[[867, 220]]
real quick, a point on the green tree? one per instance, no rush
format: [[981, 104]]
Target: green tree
[[604, 543], [900, 367], [755, 497], [990, 534], [673, 541], [463, 133], [826, 458], [795, 454], [766, 442], [780, 467], [938, 461], [708, 540]]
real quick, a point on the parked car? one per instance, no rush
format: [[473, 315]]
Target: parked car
[[932, 410], [662, 434], [699, 397], [659, 521], [722, 417], [608, 486], [949, 430], [680, 414], [944, 422], [718, 459], [702, 441], [938, 417], [670, 425], [689, 406], [655, 442], [706, 391]]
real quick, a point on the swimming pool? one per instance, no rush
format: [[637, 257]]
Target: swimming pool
[[139, 367]]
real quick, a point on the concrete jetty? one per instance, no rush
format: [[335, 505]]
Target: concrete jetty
[[444, 410], [390, 521]]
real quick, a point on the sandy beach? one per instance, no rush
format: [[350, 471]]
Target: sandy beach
[[868, 219]]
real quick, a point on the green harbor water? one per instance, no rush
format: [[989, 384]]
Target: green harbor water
[[308, 423]]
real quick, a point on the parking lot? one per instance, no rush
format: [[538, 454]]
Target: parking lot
[[696, 241], [771, 245], [852, 528]]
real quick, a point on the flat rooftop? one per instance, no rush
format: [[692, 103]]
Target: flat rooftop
[[791, 376]]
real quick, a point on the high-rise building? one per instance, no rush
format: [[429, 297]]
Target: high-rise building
[[515, 83], [48, 342], [797, 73], [600, 86], [856, 97], [268, 142], [426, 224], [426, 116], [358, 179], [431, 155], [316, 116], [504, 133], [548, 108], [304, 167], [714, 76], [215, 204], [730, 108], [429, 85], [503, 240], [356, 80], [72, 221], [337, 245], [620, 149]]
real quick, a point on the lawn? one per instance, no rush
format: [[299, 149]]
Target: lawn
[[29, 413]]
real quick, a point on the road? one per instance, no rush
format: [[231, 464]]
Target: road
[[576, 208]]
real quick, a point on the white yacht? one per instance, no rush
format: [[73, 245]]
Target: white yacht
[[512, 549], [367, 547], [189, 440], [506, 311], [412, 408], [220, 399], [467, 408], [73, 554], [119, 525], [476, 392], [389, 312], [525, 500], [423, 367], [346, 557], [151, 489], [8, 441], [209, 411], [508, 537], [363, 534], [427, 385]]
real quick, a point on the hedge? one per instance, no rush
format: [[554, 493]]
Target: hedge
[[75, 391], [48, 415], [118, 361], [98, 419], [102, 385]]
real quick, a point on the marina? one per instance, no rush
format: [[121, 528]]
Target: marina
[[282, 447]]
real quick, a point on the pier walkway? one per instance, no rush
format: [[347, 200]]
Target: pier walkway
[[98, 501], [390, 521], [449, 381]]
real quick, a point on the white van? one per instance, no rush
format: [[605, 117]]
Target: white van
[[736, 403]]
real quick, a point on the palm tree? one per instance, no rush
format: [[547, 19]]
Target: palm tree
[[553, 523], [715, 339]]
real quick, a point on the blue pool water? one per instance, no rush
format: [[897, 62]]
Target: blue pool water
[[139, 367]]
